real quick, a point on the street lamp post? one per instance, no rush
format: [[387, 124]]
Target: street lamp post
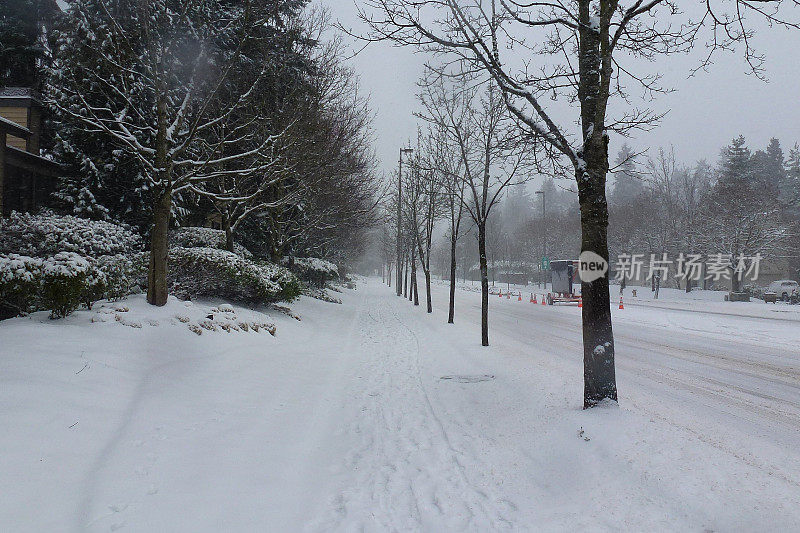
[[544, 235], [399, 278]]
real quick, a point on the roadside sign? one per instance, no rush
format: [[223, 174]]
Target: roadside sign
[[545, 263]]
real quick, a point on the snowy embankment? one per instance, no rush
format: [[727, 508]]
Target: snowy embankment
[[373, 415]]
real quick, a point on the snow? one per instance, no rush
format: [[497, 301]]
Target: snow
[[65, 264], [373, 415], [198, 237], [46, 234], [15, 267], [313, 264]]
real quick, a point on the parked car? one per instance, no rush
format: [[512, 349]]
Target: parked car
[[784, 288]]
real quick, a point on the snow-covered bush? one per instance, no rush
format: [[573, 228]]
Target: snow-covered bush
[[20, 277], [69, 280], [196, 237], [312, 270], [46, 234], [221, 274], [282, 277], [125, 274]]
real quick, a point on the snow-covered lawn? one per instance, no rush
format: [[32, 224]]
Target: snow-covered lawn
[[372, 415]]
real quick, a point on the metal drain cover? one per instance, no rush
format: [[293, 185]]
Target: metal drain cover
[[469, 378]]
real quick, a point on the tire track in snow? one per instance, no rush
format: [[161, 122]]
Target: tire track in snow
[[404, 473]]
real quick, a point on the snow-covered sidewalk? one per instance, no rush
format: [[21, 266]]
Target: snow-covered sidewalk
[[375, 416]]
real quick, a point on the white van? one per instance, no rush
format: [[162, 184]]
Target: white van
[[784, 288]]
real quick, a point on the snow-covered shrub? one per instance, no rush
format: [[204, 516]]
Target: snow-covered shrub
[[312, 270], [196, 237], [125, 274], [47, 234], [282, 277], [69, 280], [221, 274], [20, 278]]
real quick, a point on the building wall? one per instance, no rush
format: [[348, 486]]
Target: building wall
[[20, 116]]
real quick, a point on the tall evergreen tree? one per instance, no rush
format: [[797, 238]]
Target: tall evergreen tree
[[735, 179], [768, 169], [627, 182], [23, 48]]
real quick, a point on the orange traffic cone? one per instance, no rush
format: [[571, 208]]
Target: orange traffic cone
[[501, 293], [508, 295], [519, 298], [543, 300], [580, 301], [620, 302], [533, 299]]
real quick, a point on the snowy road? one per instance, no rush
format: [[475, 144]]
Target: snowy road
[[373, 416]]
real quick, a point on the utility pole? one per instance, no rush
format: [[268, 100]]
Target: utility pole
[[544, 235], [400, 218]]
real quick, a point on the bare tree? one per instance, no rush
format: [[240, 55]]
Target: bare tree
[[472, 116], [423, 199], [450, 165]]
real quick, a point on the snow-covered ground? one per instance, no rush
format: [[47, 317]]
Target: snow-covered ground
[[373, 415]]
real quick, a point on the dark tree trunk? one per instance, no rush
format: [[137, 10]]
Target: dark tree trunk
[[599, 377], [736, 282], [226, 225], [705, 273], [484, 284], [595, 65], [452, 306], [405, 278], [428, 289], [157, 292], [159, 250], [413, 294]]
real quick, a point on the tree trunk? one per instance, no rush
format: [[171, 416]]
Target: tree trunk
[[405, 278], [599, 377], [452, 307], [595, 65], [159, 250], [736, 282], [413, 294], [428, 289], [226, 225], [484, 285]]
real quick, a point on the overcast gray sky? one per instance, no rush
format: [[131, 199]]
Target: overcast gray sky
[[705, 112]]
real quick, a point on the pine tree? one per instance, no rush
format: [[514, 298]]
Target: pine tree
[[735, 180], [627, 183], [23, 48], [768, 172], [791, 183]]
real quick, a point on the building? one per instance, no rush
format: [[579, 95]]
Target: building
[[26, 178]]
